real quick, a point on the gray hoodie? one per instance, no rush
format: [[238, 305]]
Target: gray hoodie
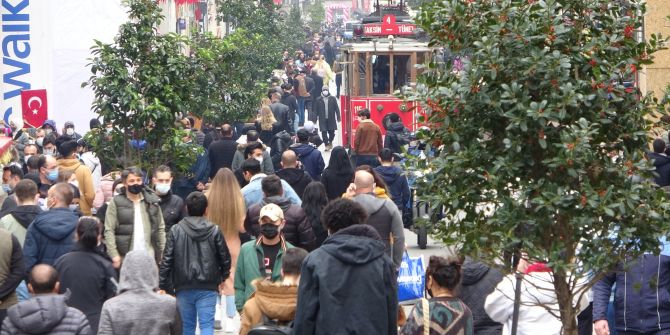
[[138, 309], [385, 217], [45, 314]]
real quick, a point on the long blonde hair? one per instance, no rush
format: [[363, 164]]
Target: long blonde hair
[[267, 119], [226, 205]]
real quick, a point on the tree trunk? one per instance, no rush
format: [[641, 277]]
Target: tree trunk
[[567, 311]]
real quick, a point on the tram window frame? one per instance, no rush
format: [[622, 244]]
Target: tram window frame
[[391, 56]]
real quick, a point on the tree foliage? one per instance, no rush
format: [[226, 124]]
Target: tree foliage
[[542, 137], [139, 85], [317, 15]]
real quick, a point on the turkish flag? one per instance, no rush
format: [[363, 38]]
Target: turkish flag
[[34, 106]]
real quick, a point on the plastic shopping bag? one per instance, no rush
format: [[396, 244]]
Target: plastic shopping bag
[[411, 278]]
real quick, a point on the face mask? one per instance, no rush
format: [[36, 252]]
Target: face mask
[[74, 207], [49, 152], [53, 175], [135, 189], [325, 93], [39, 141], [6, 188], [259, 159], [27, 157], [269, 230], [48, 131], [162, 189], [69, 131]]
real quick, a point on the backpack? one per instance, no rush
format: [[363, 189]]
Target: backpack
[[280, 142], [403, 137], [271, 327]]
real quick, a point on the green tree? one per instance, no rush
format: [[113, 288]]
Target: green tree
[[294, 32], [541, 139], [138, 83], [317, 15], [229, 75]]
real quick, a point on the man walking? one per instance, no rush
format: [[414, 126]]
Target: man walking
[[67, 148], [221, 152], [47, 312], [294, 176], [383, 215], [134, 220], [309, 155], [281, 113], [368, 141], [172, 206], [12, 270], [196, 261], [327, 112], [51, 235], [348, 285], [261, 258]]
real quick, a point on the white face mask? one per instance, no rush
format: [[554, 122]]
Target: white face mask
[[259, 159], [69, 131], [162, 189], [49, 152], [27, 157], [48, 131], [325, 93], [39, 141]]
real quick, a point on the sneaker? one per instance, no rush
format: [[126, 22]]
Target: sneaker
[[230, 327]]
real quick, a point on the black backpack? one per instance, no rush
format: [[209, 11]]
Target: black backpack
[[271, 327]]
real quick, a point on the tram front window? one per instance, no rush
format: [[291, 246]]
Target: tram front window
[[381, 74], [402, 71]]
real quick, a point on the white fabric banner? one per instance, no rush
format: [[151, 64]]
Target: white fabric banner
[[46, 44]]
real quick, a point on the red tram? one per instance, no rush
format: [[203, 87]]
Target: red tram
[[381, 61]]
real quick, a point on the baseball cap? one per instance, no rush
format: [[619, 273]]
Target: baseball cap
[[271, 211]]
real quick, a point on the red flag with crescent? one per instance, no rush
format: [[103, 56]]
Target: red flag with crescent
[[34, 107]]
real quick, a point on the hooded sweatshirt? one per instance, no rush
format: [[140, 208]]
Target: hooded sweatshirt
[[383, 215], [311, 159], [345, 284], [45, 314], [479, 280], [18, 220], [138, 309], [50, 236], [274, 300], [397, 183]]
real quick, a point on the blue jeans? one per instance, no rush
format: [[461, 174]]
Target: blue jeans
[[301, 109], [200, 304]]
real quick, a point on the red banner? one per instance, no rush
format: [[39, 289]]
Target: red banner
[[34, 107], [389, 27]]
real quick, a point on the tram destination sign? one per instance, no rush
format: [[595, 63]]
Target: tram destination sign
[[388, 26]]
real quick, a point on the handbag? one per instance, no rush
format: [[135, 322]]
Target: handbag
[[411, 278]]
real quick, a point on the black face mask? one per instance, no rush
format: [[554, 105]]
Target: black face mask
[[269, 230], [135, 189]]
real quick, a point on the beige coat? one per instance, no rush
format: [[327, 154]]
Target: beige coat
[[275, 300]]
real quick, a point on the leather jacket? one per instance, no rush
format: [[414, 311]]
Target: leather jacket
[[195, 257]]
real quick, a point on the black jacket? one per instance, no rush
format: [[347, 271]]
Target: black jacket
[[290, 100], [195, 257], [297, 178], [221, 155], [662, 164], [327, 119], [91, 280], [172, 207], [348, 286], [318, 85], [283, 116], [336, 182], [391, 139], [25, 215], [397, 183], [479, 280], [297, 230]]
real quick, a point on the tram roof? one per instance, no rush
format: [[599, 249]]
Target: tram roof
[[382, 44]]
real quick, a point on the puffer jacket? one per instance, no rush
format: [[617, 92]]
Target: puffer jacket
[[274, 300], [642, 296], [311, 159], [50, 236], [45, 314], [297, 178], [195, 257], [479, 280], [297, 230], [347, 286]]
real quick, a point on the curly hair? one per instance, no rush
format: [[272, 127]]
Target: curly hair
[[342, 213]]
